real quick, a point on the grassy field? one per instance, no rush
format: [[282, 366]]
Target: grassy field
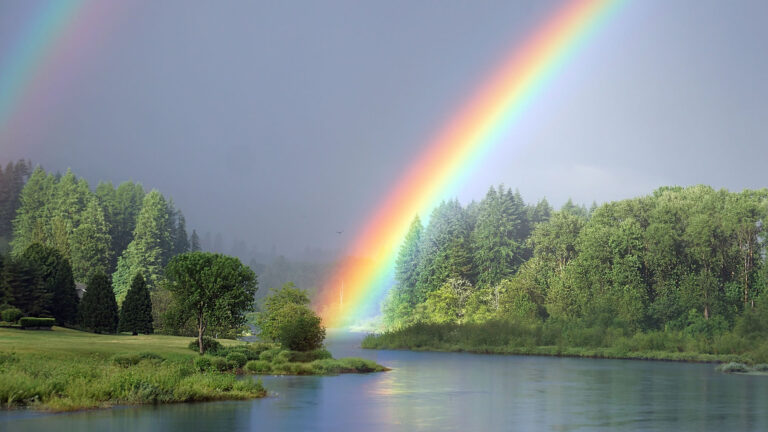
[[64, 369]]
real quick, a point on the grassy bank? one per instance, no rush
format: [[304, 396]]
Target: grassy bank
[[567, 341], [63, 370], [267, 358]]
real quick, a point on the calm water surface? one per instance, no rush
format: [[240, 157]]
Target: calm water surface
[[461, 392]]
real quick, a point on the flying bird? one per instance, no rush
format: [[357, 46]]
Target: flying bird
[[339, 232]]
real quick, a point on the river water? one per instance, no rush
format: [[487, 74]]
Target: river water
[[458, 392]]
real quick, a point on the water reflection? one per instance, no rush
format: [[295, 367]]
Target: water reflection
[[452, 391]]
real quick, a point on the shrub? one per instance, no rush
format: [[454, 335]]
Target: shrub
[[258, 366], [36, 323], [236, 358], [293, 368], [303, 356], [209, 344], [255, 349], [733, 367], [202, 363], [11, 315], [220, 364], [761, 367], [300, 328], [269, 354]]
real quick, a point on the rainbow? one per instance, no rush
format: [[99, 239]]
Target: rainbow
[[358, 285], [44, 56]]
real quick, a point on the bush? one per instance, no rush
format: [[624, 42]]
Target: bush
[[733, 367], [293, 368], [255, 349], [301, 329], [131, 359], [237, 359], [258, 366], [269, 354], [202, 363], [11, 315], [219, 364], [209, 344], [302, 356], [36, 323]]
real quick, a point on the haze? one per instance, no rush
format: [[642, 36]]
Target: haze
[[281, 123]]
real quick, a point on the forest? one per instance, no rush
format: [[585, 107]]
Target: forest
[[683, 263]]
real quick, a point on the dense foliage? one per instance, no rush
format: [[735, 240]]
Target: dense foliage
[[98, 309], [287, 319], [691, 260], [136, 311], [212, 290]]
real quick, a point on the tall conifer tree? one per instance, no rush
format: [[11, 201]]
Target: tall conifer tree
[[98, 309], [136, 312]]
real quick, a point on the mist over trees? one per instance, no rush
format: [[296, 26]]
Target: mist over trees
[[681, 258]]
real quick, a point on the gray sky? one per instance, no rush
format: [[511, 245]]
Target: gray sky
[[282, 122]]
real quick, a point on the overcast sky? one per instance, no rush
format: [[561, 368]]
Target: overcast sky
[[283, 122]]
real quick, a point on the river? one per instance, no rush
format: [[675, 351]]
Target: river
[[458, 392]]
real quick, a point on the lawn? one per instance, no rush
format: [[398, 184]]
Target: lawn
[[63, 370]]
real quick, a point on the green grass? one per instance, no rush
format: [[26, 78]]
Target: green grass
[[64, 370], [565, 341]]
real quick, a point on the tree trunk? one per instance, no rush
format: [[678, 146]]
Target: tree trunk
[[200, 331]]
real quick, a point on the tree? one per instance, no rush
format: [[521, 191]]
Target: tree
[[98, 308], [29, 225], [55, 275], [12, 181], [496, 237], [300, 329], [136, 312], [146, 252], [401, 300], [214, 289], [194, 242], [25, 288], [271, 317], [181, 241], [91, 243]]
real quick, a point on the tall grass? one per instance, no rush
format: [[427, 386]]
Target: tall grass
[[571, 339]]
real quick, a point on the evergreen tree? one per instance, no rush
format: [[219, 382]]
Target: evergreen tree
[[91, 243], [98, 309], [25, 288], [55, 275], [12, 181], [30, 223], [181, 240], [495, 238], [445, 249], [401, 301], [194, 242], [145, 253], [129, 199], [136, 312]]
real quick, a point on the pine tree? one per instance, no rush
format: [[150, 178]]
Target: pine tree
[[194, 242], [25, 288], [181, 240], [55, 274], [136, 312], [145, 253], [495, 238], [402, 299], [29, 225], [98, 309], [90, 243], [11, 184]]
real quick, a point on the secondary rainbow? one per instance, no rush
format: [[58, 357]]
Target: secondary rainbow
[[44, 58], [358, 285]]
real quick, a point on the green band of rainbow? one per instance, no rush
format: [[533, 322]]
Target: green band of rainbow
[[453, 155]]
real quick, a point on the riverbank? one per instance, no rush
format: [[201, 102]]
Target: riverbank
[[67, 370], [522, 339]]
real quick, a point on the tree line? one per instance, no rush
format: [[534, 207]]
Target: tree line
[[690, 259], [126, 249]]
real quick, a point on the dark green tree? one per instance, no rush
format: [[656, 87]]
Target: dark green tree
[[136, 311], [269, 319], [55, 274], [300, 329], [98, 308], [194, 242], [181, 240], [25, 288]]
